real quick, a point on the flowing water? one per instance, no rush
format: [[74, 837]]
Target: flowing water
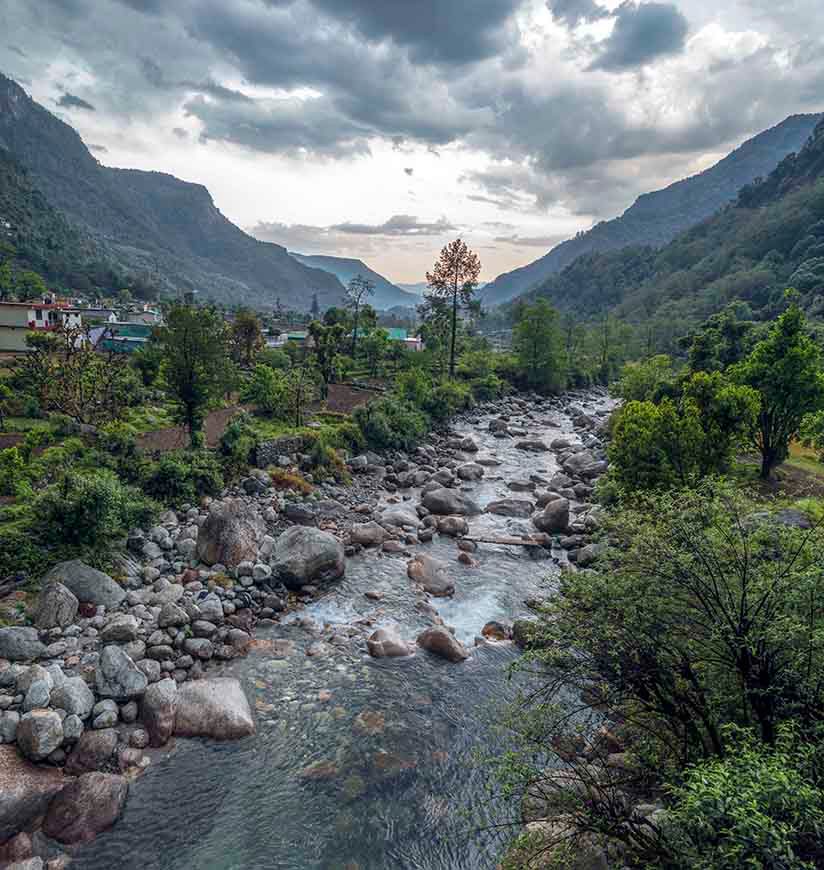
[[357, 764]]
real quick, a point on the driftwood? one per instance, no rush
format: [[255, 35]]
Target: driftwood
[[503, 541]]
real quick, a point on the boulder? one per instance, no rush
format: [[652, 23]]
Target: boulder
[[93, 751], [25, 791], [470, 471], [39, 733], [73, 696], [86, 807], [157, 710], [172, 616], [89, 585], [117, 676], [304, 556], [511, 507], [468, 445], [431, 575], [121, 628], [387, 643], [56, 608], [20, 644], [399, 516], [368, 534], [453, 526], [230, 534], [213, 708], [574, 465], [442, 643], [532, 445], [449, 502], [555, 517]]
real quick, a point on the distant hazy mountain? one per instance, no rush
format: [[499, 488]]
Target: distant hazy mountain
[[656, 218], [387, 294], [153, 223], [416, 289]]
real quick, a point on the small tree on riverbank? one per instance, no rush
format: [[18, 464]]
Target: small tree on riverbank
[[358, 290]]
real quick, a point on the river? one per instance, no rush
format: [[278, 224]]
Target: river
[[358, 763]]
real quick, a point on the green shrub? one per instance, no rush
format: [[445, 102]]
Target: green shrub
[[447, 399], [275, 358], [759, 806], [390, 423], [413, 386], [89, 510], [237, 445], [268, 389], [183, 476], [13, 473], [488, 388]]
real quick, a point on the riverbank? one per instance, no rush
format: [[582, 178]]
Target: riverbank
[[257, 557]]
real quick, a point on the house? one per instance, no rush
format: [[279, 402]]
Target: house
[[148, 316], [121, 337], [17, 319], [413, 343], [93, 316]]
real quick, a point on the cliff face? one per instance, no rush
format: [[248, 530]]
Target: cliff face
[[149, 221], [657, 218]]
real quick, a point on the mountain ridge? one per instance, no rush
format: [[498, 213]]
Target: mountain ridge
[[153, 222], [655, 218]]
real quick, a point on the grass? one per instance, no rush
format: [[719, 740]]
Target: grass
[[14, 425], [147, 418]]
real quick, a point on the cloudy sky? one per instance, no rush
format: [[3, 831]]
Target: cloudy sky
[[383, 128]]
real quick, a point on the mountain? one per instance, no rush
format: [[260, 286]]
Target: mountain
[[150, 222], [769, 239], [656, 218], [416, 289], [387, 295]]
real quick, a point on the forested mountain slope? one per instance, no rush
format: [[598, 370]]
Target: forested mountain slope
[[656, 218]]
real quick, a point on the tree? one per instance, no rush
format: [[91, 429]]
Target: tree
[[68, 375], [538, 345], [246, 337], [376, 349], [6, 396], [301, 390], [359, 289], [315, 309], [196, 366], [455, 277], [29, 285], [268, 390], [6, 279], [327, 344], [785, 369]]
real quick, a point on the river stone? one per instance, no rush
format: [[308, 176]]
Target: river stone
[[37, 696], [56, 608], [39, 733], [532, 445], [470, 471], [431, 575], [230, 534], [511, 507], [368, 534], [157, 711], [574, 465], [449, 502], [305, 555], [20, 644], [387, 643], [454, 527], [89, 585], [117, 676], [86, 807], [172, 615], [213, 708], [211, 608], [25, 791], [121, 628], [443, 643], [93, 751], [399, 516], [73, 696], [555, 517]]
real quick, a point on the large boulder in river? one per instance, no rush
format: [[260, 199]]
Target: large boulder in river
[[86, 807], [442, 643], [431, 575], [449, 502], [73, 696], [39, 733], [386, 643], [87, 584], [117, 676], [213, 708], [470, 471], [511, 507], [399, 516], [304, 555], [25, 791], [56, 608], [93, 751], [158, 709], [368, 534], [555, 517], [20, 644], [230, 534]]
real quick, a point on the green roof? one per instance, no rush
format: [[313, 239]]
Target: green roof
[[397, 334]]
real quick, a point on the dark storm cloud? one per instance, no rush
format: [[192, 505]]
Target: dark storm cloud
[[641, 34], [17, 50], [397, 225], [70, 101], [573, 12]]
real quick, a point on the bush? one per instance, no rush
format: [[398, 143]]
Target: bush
[[275, 358], [757, 807], [447, 399], [267, 389], [89, 510], [183, 476], [488, 388], [237, 445], [283, 480], [648, 381], [13, 473], [390, 423], [414, 387]]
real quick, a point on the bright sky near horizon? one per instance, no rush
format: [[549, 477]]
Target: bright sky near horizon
[[380, 129]]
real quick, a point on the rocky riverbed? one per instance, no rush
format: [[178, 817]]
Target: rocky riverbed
[[352, 646]]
